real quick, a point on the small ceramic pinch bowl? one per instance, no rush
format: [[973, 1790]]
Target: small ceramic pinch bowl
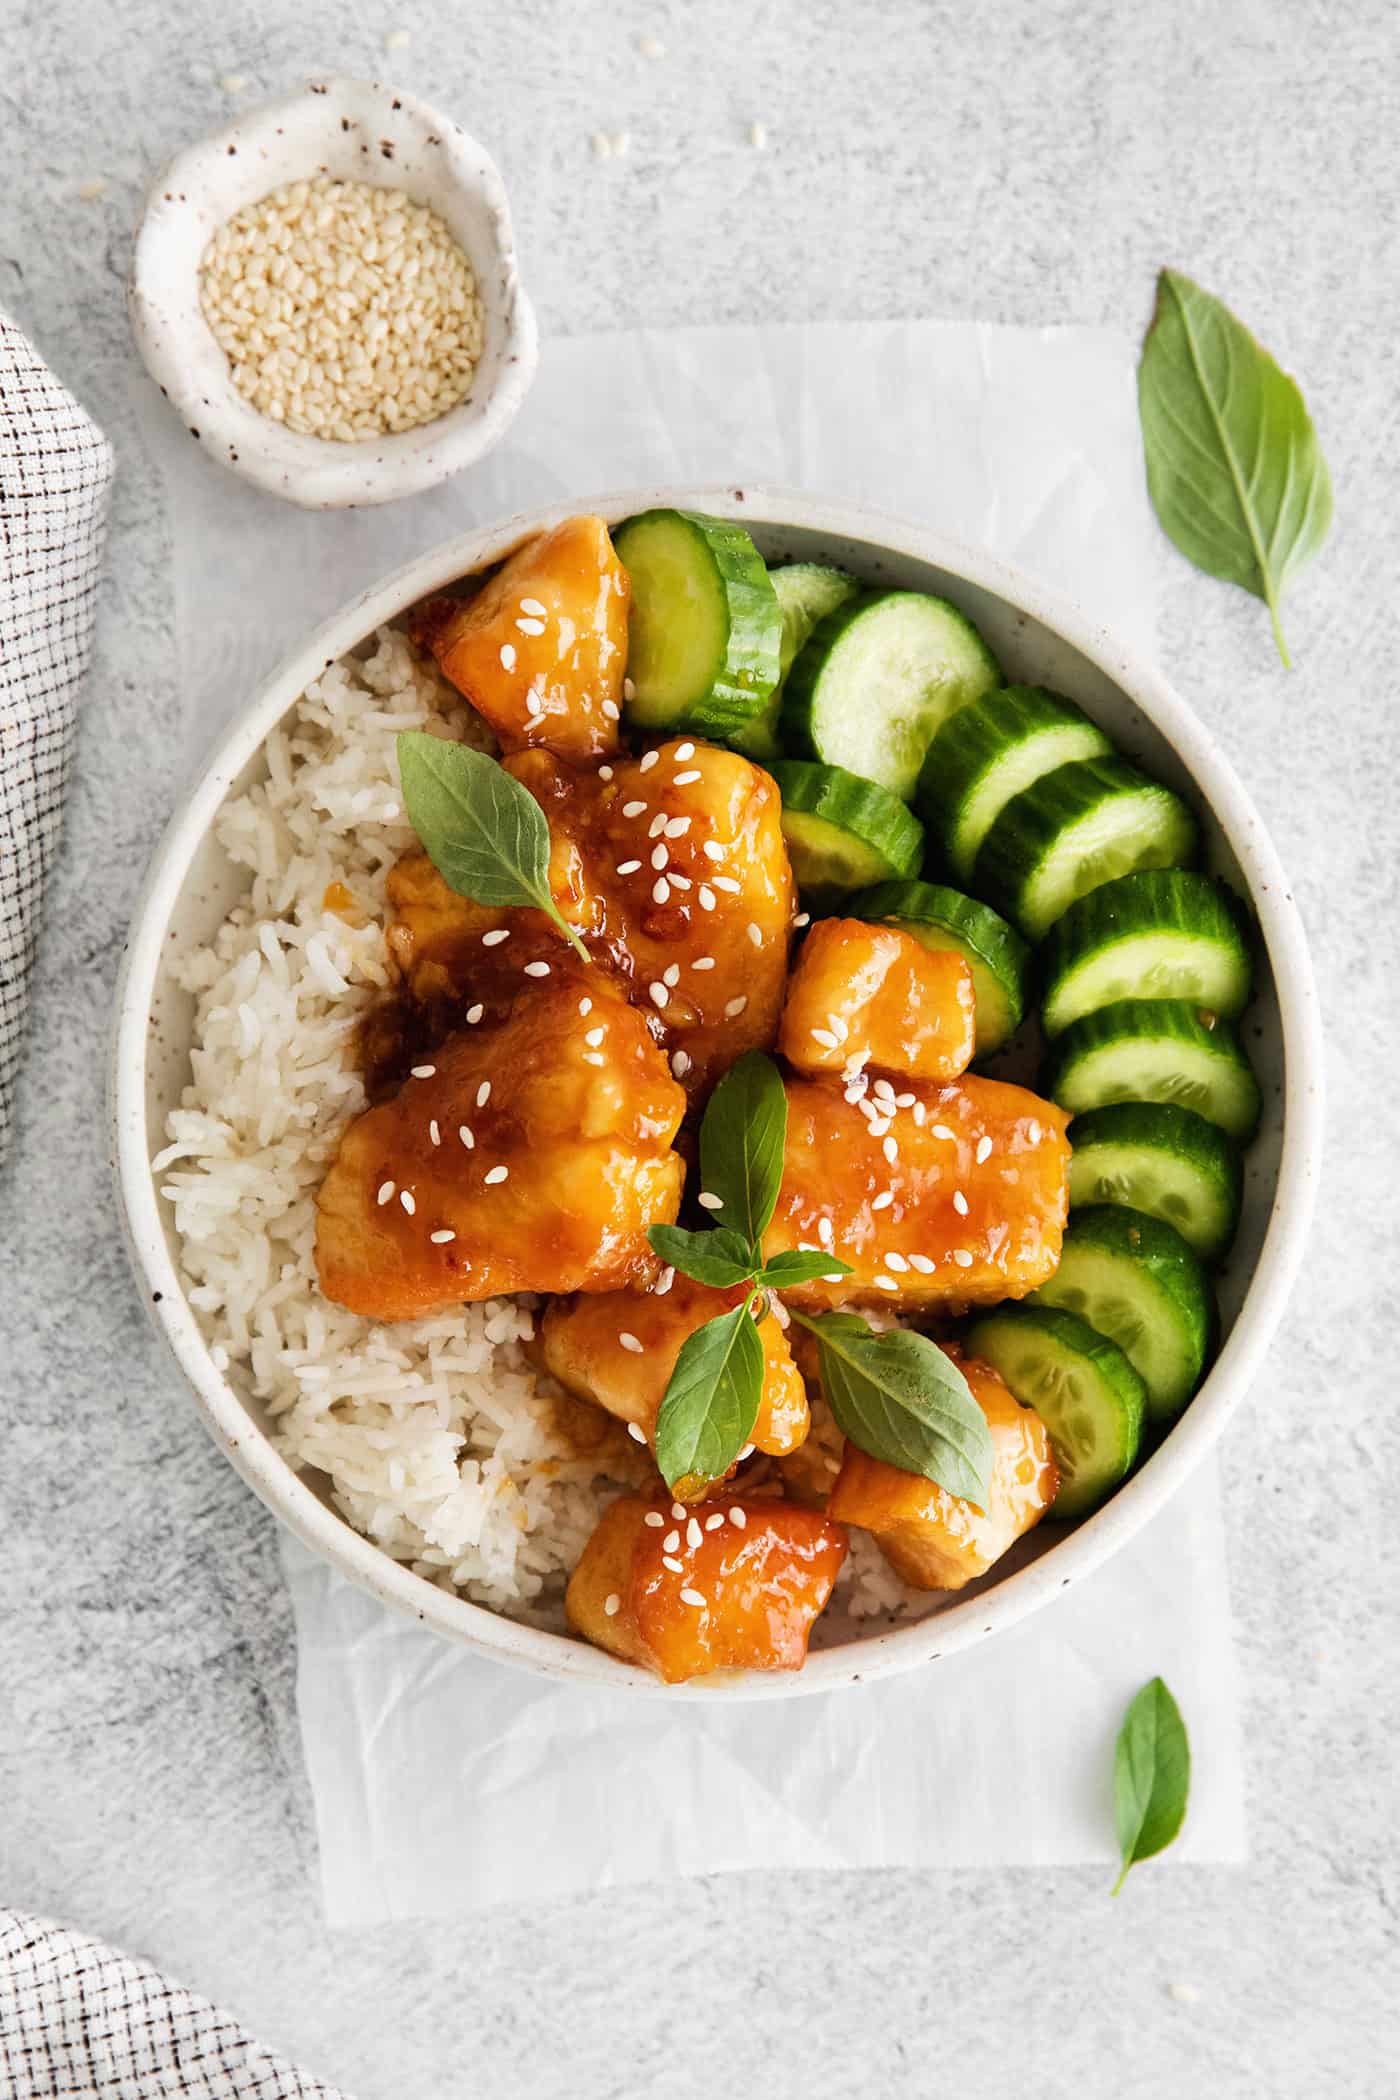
[[350, 130], [1039, 639]]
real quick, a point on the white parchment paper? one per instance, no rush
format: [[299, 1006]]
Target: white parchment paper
[[443, 1782]]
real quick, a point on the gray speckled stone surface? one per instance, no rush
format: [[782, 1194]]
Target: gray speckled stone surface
[[1028, 162]]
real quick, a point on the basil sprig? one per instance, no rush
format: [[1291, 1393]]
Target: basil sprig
[[1151, 1776], [484, 833], [1234, 469], [896, 1395]]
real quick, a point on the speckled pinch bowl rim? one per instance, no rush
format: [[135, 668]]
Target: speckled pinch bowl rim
[[326, 126], [902, 1647]]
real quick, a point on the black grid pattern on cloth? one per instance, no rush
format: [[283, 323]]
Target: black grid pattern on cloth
[[55, 467], [79, 2021]]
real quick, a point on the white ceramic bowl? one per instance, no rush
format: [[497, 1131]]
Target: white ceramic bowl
[[355, 130], [191, 885]]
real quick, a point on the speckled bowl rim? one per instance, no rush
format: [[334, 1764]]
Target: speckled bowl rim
[[190, 368], [903, 1647]]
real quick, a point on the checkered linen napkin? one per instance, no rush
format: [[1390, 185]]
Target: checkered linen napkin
[[79, 2021], [55, 466]]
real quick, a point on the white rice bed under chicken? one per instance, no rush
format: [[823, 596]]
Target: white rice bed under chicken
[[439, 1438]]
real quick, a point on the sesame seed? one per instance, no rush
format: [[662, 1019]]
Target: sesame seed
[[534, 608], [804, 918], [738, 1517], [878, 1124], [886, 1283], [671, 974], [497, 1174], [648, 760], [440, 1239], [682, 752], [530, 626], [594, 1037], [677, 882], [758, 136], [905, 1100], [606, 772], [466, 1136], [668, 1560], [883, 1200], [651, 47], [920, 1115], [984, 1150], [825, 1037], [611, 710], [630, 1344], [407, 1201], [734, 1007], [962, 1257], [960, 1203], [593, 1057], [747, 1452], [683, 780], [638, 1436], [825, 1231], [657, 825], [727, 882], [703, 962], [423, 1071], [884, 1090], [712, 849], [660, 858], [537, 969], [585, 1006], [1033, 1132], [707, 897], [676, 827], [474, 1014], [692, 1597], [483, 1093], [663, 1282], [890, 1150], [658, 993], [707, 1201], [896, 1262], [495, 937], [660, 890], [922, 1263], [680, 1063], [633, 808], [434, 1133], [507, 656], [838, 1027], [629, 691], [679, 1512], [386, 1193], [672, 1542], [612, 1605], [755, 933], [628, 867], [653, 1517], [941, 1130], [716, 1522], [834, 1277]]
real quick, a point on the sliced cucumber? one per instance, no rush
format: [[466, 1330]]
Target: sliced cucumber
[[1155, 1050], [806, 592], [843, 833], [1137, 1282], [1073, 829], [1167, 1161], [877, 679], [1082, 1386], [1160, 934], [705, 629], [988, 752], [995, 953]]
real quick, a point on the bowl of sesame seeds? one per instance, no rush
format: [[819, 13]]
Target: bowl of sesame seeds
[[327, 293]]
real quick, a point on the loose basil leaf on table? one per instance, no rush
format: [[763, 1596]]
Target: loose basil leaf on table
[[484, 833], [899, 1398], [711, 1403], [800, 1266], [720, 1258], [1151, 1776], [1234, 469], [741, 1144]]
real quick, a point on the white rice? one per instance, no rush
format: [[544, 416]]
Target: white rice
[[440, 1441]]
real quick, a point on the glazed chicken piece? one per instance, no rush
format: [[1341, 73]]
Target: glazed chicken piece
[[541, 649], [871, 995], [735, 1585], [528, 1155], [934, 1540], [672, 865], [620, 1349], [938, 1196]]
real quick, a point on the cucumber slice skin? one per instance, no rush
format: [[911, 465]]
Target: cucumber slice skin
[[990, 751], [1155, 1050], [843, 833], [1161, 933], [1073, 830], [1137, 1282], [995, 953], [806, 592], [705, 631], [1082, 1386], [877, 678], [1167, 1161]]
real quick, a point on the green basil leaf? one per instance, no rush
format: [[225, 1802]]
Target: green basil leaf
[[798, 1266], [484, 833], [720, 1258], [741, 1144], [901, 1399], [1234, 468], [709, 1408], [1151, 1776]]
